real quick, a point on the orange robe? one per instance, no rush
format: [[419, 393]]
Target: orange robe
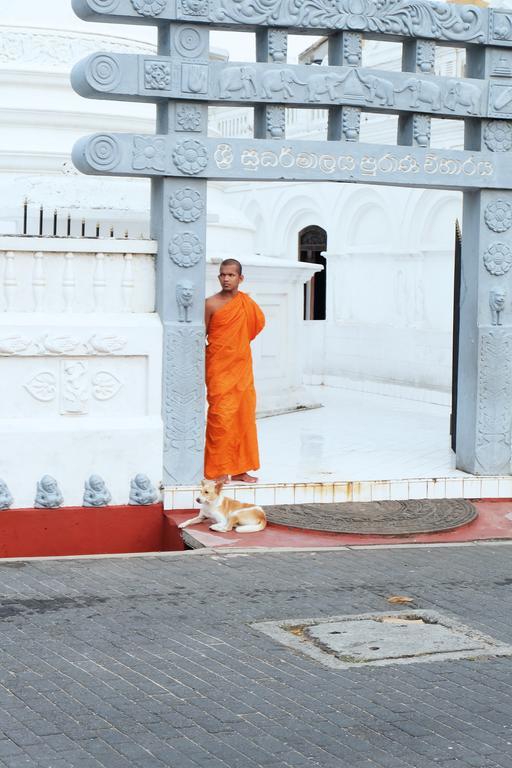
[[231, 438]]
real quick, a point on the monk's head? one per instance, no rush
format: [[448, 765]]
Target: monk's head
[[230, 275]]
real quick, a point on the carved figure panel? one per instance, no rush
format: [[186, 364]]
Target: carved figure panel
[[194, 78], [185, 290], [497, 299], [199, 8], [157, 75], [502, 65], [494, 398], [426, 56], [461, 94], [276, 122], [422, 130], [422, 92], [352, 49], [395, 17], [239, 81], [279, 82], [501, 25], [184, 402], [351, 123], [500, 100]]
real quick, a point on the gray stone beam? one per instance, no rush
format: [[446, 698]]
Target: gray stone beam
[[394, 19], [267, 160], [156, 78]]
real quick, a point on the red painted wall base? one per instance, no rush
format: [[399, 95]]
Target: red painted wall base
[[87, 531]]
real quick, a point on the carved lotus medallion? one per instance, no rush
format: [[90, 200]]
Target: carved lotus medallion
[[185, 249], [186, 205], [498, 259], [188, 118], [498, 216], [149, 7], [190, 157], [498, 136]]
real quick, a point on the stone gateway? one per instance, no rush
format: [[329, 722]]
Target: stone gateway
[[182, 82]]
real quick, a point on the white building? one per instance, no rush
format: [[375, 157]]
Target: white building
[[79, 340]]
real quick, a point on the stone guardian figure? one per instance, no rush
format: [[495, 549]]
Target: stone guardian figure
[[96, 493], [48, 494], [142, 491], [6, 498]]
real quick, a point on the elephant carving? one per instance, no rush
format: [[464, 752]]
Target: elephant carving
[[379, 89], [240, 80], [422, 92], [322, 85], [459, 94], [279, 81]]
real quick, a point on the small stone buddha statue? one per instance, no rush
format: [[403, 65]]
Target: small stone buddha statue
[[96, 493], [6, 498], [48, 495], [142, 491]]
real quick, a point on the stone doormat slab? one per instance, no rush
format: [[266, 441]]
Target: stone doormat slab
[[379, 639], [376, 517]]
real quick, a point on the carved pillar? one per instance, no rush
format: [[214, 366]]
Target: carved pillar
[[484, 416], [414, 130], [179, 224], [270, 120], [345, 49]]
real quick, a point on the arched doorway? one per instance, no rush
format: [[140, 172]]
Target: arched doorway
[[312, 243]]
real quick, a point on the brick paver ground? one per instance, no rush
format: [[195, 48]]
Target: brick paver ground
[[151, 662]]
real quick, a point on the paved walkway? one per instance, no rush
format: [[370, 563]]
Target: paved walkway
[[150, 662]]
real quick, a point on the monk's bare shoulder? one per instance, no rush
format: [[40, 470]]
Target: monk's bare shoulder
[[211, 305]]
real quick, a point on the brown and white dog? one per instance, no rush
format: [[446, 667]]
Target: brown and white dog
[[226, 513]]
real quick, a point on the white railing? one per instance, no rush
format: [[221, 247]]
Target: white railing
[[76, 275]]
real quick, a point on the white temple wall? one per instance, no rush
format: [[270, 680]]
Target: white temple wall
[[81, 358], [389, 277]]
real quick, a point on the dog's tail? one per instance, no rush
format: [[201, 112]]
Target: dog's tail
[[251, 528]]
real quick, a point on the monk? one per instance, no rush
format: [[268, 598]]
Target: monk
[[232, 321]]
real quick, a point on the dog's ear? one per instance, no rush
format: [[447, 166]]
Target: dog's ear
[[219, 486]]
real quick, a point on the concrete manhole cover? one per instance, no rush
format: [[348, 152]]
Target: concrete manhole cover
[[383, 638], [376, 517]]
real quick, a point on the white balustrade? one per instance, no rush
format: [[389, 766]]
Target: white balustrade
[[10, 282], [99, 283], [69, 282], [38, 281], [128, 284]]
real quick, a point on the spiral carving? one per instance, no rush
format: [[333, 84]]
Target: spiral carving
[[103, 72], [103, 152], [104, 6]]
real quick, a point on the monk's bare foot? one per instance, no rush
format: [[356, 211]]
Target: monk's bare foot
[[222, 479], [244, 478]]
